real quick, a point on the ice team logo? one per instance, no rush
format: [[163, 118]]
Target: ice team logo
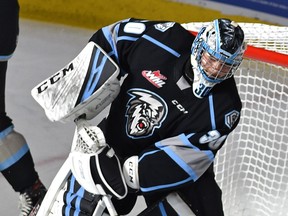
[[145, 112], [154, 77]]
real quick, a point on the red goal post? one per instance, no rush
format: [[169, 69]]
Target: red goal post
[[252, 167]]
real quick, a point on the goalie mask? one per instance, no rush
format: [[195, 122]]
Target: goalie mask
[[216, 53]]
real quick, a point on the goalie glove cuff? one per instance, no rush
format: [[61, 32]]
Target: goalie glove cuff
[[108, 172], [130, 172], [99, 171]]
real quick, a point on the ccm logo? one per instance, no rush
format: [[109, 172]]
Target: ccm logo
[[179, 106], [55, 78], [131, 172]]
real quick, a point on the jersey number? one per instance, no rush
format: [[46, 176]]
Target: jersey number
[[213, 138]]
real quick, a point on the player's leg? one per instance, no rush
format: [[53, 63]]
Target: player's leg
[[170, 205], [9, 23], [125, 206], [77, 200], [5, 121], [16, 163], [204, 196]]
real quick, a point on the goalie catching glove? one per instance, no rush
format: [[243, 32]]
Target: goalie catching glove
[[103, 169], [96, 166], [99, 173]]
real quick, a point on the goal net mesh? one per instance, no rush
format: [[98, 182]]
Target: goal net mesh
[[252, 166]]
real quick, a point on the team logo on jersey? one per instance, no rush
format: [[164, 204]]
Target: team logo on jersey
[[164, 26], [154, 77], [231, 118], [145, 112]]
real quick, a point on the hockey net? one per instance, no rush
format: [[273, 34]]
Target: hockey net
[[252, 167]]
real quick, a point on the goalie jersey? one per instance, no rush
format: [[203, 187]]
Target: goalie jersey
[[156, 115]]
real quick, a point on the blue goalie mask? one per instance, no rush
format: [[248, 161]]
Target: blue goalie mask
[[216, 53]]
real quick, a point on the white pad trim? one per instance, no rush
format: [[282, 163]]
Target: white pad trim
[[81, 170]]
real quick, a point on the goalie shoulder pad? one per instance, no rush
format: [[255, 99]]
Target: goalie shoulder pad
[[85, 86]]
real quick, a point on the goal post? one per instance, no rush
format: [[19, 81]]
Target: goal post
[[252, 167]]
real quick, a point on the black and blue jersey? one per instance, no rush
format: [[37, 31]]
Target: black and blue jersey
[[156, 115]]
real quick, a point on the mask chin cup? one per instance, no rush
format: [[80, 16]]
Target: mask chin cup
[[201, 87]]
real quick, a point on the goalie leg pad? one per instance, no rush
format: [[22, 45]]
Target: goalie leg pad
[[76, 199]]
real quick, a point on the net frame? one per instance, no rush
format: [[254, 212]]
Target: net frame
[[252, 167]]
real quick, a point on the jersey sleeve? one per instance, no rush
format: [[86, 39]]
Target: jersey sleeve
[[116, 39], [176, 161]]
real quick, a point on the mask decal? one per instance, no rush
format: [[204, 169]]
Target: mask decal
[[146, 111]]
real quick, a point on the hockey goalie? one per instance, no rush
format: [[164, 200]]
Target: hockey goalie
[[173, 111]]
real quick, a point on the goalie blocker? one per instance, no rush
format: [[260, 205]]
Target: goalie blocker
[[85, 86]]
